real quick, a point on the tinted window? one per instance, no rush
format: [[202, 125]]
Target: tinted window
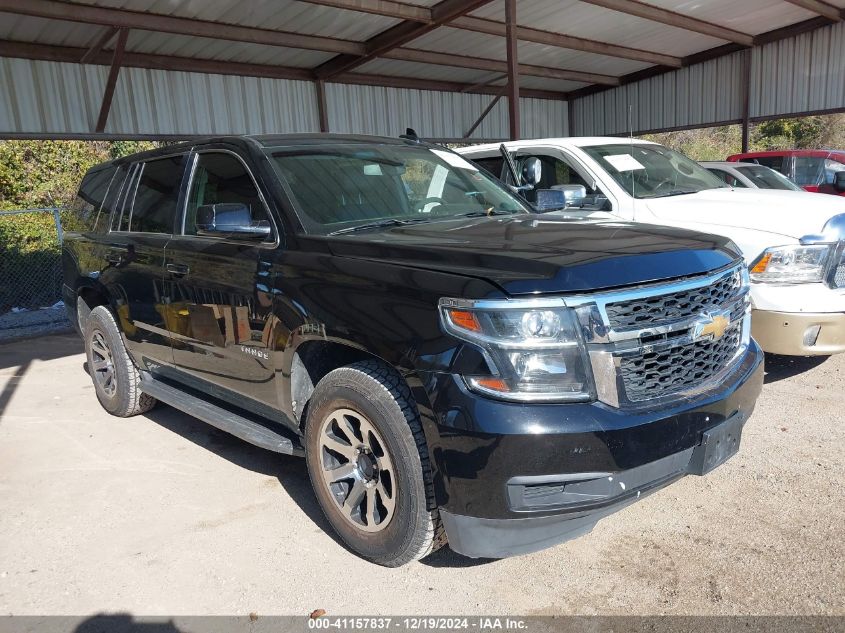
[[89, 200], [153, 209], [775, 162], [492, 165], [221, 178]]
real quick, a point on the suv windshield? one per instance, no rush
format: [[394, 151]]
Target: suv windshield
[[766, 178], [339, 188], [653, 171]]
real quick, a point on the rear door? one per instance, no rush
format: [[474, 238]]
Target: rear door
[[219, 290], [145, 212]]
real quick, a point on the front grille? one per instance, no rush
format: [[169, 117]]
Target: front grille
[[839, 275], [661, 373], [646, 312]]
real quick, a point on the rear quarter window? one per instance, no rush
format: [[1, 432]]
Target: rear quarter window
[[86, 207]]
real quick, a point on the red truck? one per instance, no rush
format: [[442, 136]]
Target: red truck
[[816, 170]]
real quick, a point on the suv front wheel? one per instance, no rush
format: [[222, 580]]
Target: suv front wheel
[[369, 466]]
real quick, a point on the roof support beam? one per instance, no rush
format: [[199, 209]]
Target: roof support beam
[[27, 50], [513, 69], [656, 14], [111, 82], [388, 8], [485, 112], [822, 8], [441, 13], [494, 65], [98, 45], [107, 16], [547, 38], [322, 108]]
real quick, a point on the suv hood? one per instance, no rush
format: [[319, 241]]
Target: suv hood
[[531, 254], [779, 213]]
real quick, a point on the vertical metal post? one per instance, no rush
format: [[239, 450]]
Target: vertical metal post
[[746, 99], [58, 220], [513, 68], [322, 108]]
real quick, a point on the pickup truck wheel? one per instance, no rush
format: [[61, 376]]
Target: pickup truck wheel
[[116, 379], [368, 464]]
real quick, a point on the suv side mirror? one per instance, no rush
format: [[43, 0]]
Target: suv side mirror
[[232, 220], [532, 171], [839, 181]]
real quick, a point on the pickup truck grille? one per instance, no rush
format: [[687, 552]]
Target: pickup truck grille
[[839, 275], [656, 374], [669, 339], [675, 305]]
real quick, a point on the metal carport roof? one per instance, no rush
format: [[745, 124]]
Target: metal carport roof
[[157, 68]]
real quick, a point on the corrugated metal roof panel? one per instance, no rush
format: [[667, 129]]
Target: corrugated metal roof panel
[[697, 95], [746, 16], [388, 111], [800, 74], [460, 42], [285, 15], [596, 23], [23, 28], [417, 70]]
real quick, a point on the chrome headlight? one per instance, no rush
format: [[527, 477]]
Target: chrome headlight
[[534, 352], [792, 264]]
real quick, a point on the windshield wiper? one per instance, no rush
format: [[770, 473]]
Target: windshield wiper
[[481, 214], [677, 192], [379, 224]]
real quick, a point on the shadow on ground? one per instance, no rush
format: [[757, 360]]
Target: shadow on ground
[[780, 367], [290, 471], [21, 354]]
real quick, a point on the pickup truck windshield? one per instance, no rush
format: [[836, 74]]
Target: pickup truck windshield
[[652, 171], [343, 188]]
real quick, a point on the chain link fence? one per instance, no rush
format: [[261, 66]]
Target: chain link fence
[[31, 273]]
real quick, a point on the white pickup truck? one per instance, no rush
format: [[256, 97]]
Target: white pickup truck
[[793, 242]]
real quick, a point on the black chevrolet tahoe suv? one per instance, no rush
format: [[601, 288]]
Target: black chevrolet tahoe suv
[[451, 364]]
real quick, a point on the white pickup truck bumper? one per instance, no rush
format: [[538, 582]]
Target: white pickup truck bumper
[[798, 320]]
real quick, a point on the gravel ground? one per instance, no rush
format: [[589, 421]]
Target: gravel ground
[[161, 514]]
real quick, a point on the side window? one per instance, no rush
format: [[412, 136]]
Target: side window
[[728, 177], [775, 162], [221, 178], [557, 173], [156, 187], [492, 165], [808, 170], [86, 207], [830, 168]]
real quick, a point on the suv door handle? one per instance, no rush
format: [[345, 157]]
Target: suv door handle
[[177, 269]]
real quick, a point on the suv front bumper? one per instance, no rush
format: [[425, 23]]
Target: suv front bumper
[[512, 479]]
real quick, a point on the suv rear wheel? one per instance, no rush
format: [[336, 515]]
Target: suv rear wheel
[[368, 464], [116, 379]]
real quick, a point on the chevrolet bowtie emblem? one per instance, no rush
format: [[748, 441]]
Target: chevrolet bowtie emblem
[[712, 325]]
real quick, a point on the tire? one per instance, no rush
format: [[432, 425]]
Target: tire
[[381, 446], [116, 379]]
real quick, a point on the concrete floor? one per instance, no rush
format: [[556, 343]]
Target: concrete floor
[[162, 515]]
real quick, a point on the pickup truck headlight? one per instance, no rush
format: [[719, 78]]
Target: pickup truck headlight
[[791, 264], [535, 354]]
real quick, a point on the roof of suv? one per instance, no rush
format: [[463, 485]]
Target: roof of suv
[[572, 141], [268, 140], [821, 153]]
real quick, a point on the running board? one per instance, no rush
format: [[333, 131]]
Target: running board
[[219, 417]]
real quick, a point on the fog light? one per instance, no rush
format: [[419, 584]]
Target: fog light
[[811, 335]]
